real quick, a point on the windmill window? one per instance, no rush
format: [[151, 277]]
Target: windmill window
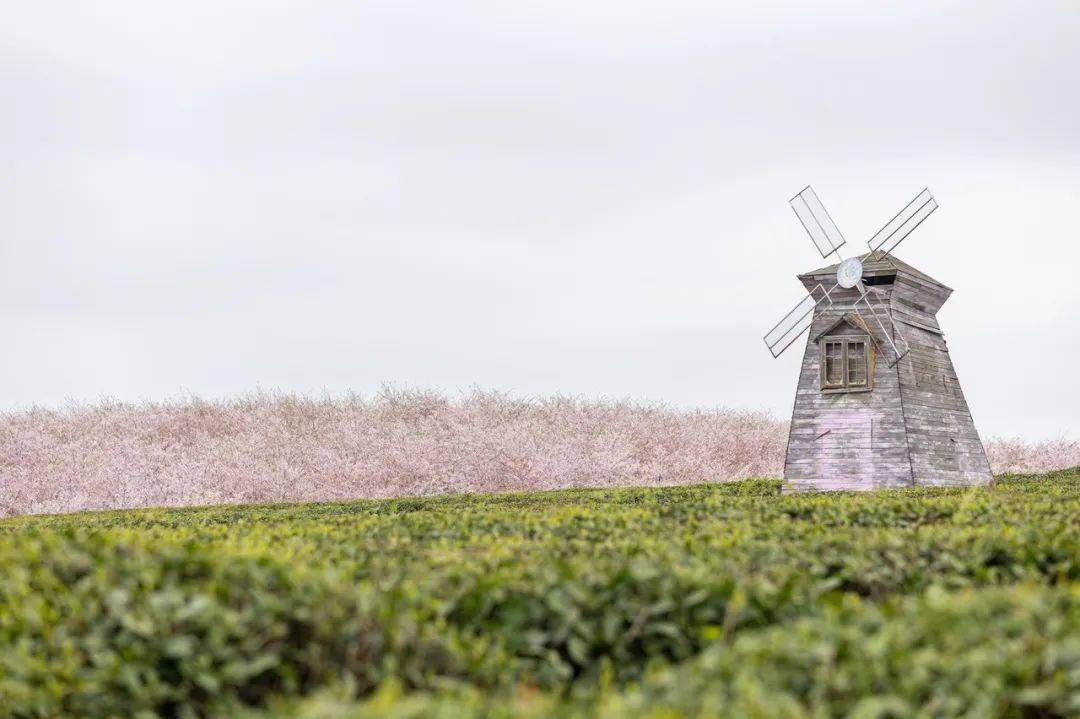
[[856, 364], [879, 279], [845, 365], [834, 367]]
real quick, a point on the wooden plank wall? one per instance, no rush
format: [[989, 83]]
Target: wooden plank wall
[[944, 445], [913, 429], [849, 440], [915, 301]]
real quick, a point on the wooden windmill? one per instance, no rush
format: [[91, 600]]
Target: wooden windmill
[[878, 403]]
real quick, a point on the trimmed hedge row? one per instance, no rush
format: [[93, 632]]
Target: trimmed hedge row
[[1012, 652], [201, 611]]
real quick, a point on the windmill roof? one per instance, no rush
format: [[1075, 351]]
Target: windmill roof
[[879, 262], [852, 318]]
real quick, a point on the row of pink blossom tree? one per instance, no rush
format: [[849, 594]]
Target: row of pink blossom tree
[[265, 447]]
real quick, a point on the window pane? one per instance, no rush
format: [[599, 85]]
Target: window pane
[[834, 358], [856, 363]]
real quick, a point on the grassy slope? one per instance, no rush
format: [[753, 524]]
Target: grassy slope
[[707, 599]]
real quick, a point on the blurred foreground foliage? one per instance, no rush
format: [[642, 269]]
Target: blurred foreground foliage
[[718, 600]]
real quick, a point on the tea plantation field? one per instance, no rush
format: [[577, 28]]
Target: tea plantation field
[[703, 601]]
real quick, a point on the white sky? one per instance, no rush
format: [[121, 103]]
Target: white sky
[[588, 197]]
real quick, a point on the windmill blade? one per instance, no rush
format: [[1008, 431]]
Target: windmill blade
[[816, 221], [897, 354], [792, 325], [899, 335], [895, 230]]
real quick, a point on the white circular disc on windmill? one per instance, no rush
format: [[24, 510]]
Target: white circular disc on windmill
[[849, 273]]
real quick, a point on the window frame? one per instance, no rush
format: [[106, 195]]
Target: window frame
[[825, 342], [844, 341]]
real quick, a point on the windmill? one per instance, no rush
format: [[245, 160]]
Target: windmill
[[878, 402]]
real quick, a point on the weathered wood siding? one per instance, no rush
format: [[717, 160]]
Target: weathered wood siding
[[945, 448], [849, 440], [913, 428]]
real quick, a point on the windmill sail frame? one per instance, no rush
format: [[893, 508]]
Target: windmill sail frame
[[903, 223], [817, 222], [788, 336], [897, 354]]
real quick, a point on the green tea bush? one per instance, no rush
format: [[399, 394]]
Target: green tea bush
[[690, 601], [1009, 652]]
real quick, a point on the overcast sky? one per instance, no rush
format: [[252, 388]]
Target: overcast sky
[[582, 197]]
